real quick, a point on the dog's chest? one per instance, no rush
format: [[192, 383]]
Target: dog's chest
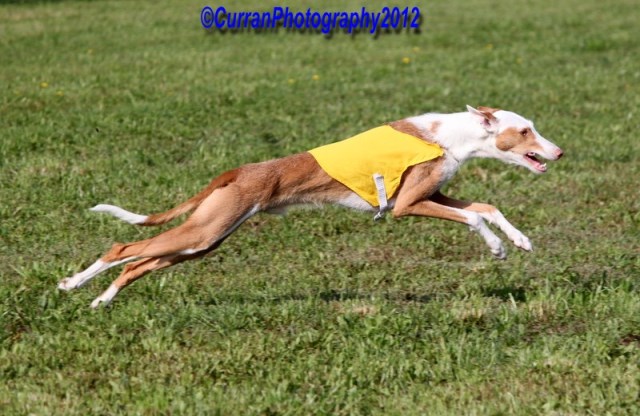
[[448, 168]]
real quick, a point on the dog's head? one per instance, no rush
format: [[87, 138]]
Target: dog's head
[[513, 139]]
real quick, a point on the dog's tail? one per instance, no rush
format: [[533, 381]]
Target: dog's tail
[[164, 217]]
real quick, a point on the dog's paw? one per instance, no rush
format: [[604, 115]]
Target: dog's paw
[[521, 241], [499, 252], [106, 298], [97, 301], [66, 284], [497, 248]]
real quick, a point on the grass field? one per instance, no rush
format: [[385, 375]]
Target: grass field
[[318, 312]]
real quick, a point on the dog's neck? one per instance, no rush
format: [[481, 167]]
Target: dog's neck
[[459, 134]]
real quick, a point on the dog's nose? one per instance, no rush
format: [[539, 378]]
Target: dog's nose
[[559, 154]]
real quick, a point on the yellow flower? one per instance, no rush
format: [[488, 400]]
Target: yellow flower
[[315, 77], [44, 84], [489, 46], [406, 60], [59, 93], [291, 81], [416, 49]]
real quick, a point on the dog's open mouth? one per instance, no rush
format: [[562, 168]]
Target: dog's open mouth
[[533, 161]]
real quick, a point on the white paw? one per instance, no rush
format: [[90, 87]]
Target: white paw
[[497, 249], [66, 284], [97, 301], [520, 240], [105, 298], [500, 253], [71, 283]]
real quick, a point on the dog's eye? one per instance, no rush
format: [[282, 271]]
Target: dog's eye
[[524, 132]]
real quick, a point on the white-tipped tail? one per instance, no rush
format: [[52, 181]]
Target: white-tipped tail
[[123, 214]]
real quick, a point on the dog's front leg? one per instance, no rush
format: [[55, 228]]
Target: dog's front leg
[[427, 208], [489, 213], [423, 180]]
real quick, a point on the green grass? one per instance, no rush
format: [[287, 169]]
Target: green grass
[[320, 312]]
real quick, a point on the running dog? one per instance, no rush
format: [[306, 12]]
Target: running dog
[[399, 167]]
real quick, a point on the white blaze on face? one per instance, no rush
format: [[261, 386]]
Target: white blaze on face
[[550, 150]]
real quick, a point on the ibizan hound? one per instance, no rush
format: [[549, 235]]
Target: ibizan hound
[[271, 186]]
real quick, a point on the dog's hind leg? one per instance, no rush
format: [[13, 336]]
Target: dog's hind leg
[[217, 217], [80, 279], [134, 271]]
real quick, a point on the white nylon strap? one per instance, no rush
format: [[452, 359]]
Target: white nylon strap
[[382, 196]]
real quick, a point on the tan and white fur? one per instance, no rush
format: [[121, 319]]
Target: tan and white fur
[[272, 186]]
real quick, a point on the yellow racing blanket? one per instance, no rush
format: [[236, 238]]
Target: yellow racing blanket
[[382, 151]]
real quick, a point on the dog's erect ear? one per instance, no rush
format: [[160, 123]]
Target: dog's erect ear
[[488, 110], [486, 117]]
